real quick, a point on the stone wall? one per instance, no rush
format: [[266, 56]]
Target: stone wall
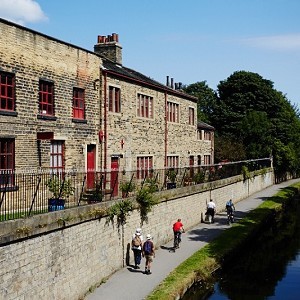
[[60, 255], [31, 56]]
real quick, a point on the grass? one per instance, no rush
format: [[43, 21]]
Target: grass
[[201, 265]]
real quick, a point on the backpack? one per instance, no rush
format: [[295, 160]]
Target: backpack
[[147, 247], [136, 241]]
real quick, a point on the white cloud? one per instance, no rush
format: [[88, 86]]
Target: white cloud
[[279, 42], [21, 11]]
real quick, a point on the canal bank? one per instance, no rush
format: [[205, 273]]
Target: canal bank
[[132, 284]]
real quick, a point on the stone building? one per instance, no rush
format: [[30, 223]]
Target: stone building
[[64, 107]]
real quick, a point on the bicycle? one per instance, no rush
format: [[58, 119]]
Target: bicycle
[[176, 240]]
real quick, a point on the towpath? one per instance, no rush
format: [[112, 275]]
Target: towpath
[[131, 284]]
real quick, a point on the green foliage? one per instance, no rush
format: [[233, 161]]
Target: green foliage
[[199, 177], [206, 99], [121, 210], [151, 184], [60, 188], [245, 173], [127, 186], [145, 200], [171, 175], [227, 148]]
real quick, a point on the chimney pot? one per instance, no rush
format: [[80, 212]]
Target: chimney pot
[[172, 83], [168, 83]]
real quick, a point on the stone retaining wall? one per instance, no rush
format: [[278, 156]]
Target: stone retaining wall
[[62, 254]]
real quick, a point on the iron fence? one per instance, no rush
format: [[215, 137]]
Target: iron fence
[[25, 194]]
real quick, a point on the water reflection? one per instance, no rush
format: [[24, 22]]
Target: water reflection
[[268, 267]]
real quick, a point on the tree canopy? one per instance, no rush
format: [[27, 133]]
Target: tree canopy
[[252, 120]]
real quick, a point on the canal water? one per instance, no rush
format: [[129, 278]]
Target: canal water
[[267, 268]]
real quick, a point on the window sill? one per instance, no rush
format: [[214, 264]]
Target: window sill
[[84, 121], [47, 118], [8, 113], [11, 188]]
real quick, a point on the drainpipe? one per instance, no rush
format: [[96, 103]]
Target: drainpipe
[[166, 127], [105, 120]]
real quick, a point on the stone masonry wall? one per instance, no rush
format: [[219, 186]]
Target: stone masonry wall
[[62, 263], [31, 56]]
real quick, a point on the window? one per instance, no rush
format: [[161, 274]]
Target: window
[[144, 164], [207, 135], [172, 161], [7, 161], [198, 160], [78, 104], [46, 98], [207, 159], [173, 112], [198, 134], [114, 99], [7, 91], [57, 157], [191, 116], [144, 106]]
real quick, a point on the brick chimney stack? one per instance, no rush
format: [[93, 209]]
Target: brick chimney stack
[[109, 47]]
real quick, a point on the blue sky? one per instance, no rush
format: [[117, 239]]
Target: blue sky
[[190, 41]]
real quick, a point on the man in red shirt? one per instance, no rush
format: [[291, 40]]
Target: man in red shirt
[[178, 229]]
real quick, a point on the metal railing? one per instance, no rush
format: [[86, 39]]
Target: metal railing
[[25, 194]]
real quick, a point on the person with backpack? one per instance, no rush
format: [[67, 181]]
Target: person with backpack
[[136, 246], [148, 253]]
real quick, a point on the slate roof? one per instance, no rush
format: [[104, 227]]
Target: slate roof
[[130, 74], [203, 125]]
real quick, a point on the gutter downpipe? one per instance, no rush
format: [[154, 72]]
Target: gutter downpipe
[[166, 127], [105, 122]]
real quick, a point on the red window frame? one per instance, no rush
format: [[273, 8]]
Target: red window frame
[[173, 112], [144, 106], [78, 103], [7, 161], [207, 135], [144, 165], [191, 116], [114, 99], [57, 157], [173, 161], [7, 91], [207, 159], [46, 98]]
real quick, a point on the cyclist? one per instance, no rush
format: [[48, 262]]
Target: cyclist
[[177, 229], [230, 209]]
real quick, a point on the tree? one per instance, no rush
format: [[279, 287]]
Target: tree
[[206, 99]]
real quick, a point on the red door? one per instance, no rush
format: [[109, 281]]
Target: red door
[[114, 175], [91, 171]]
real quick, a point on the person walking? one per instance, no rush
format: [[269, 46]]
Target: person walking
[[136, 246], [211, 209], [148, 253]]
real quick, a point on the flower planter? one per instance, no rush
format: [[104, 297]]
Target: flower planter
[[56, 204]]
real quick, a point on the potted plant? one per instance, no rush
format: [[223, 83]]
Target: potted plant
[[97, 194], [171, 179], [61, 190], [126, 187], [199, 177]]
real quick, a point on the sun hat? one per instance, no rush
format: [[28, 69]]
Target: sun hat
[[138, 230], [148, 236]]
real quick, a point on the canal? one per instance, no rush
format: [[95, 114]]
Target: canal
[[268, 267]]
